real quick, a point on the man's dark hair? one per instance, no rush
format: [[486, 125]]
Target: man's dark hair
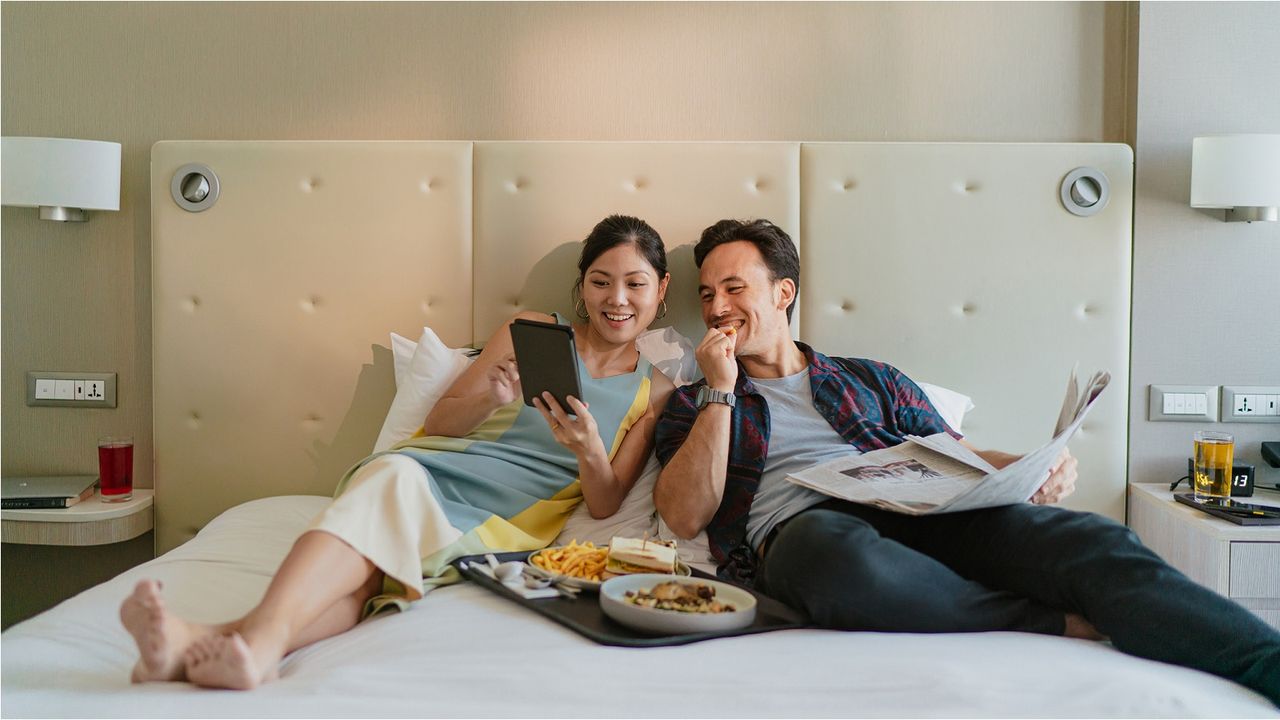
[[775, 247]]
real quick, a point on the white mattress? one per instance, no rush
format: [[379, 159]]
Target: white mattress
[[465, 652]]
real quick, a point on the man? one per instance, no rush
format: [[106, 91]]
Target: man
[[769, 405]]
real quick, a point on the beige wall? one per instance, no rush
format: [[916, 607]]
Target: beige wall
[[77, 297], [1206, 294]]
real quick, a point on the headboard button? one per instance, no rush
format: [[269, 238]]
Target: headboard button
[[847, 185], [310, 305], [310, 184], [427, 185], [191, 304]]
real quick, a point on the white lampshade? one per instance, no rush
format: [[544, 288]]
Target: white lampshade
[[62, 177], [1235, 171]]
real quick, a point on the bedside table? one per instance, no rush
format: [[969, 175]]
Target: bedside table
[[50, 555], [1239, 561]]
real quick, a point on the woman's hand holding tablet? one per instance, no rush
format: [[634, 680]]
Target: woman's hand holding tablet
[[546, 360]]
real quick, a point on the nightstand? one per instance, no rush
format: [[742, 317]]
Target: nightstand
[[1239, 561], [50, 555]]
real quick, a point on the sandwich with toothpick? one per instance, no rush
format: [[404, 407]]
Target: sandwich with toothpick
[[640, 555]]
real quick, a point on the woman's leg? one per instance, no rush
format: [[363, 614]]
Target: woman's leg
[[163, 638], [317, 593]]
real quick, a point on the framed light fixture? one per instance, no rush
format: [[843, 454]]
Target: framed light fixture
[[65, 178], [1238, 173]]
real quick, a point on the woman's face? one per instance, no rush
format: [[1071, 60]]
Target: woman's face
[[622, 291]]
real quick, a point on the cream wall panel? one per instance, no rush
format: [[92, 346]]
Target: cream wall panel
[[958, 264], [535, 202], [79, 297], [272, 310]]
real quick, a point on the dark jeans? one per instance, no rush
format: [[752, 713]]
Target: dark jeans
[[1020, 567]]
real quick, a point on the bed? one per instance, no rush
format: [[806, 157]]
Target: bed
[[271, 318]]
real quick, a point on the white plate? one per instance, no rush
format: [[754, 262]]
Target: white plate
[[673, 622], [583, 583]]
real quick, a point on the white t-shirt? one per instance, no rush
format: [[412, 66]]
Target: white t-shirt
[[798, 438]]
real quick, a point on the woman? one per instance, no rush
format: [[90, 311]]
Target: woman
[[487, 473]]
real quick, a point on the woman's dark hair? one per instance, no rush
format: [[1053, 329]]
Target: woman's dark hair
[[617, 230], [775, 247]]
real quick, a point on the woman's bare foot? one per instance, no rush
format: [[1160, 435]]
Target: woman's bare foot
[[227, 661], [161, 637], [1078, 627]]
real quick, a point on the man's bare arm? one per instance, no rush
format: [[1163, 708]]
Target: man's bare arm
[[690, 487]]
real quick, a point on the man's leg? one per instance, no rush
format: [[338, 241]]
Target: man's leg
[[838, 569], [1085, 563]]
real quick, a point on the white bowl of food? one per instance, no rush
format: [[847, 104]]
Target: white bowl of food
[[671, 605]]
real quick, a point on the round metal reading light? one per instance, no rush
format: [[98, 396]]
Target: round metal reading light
[[1085, 191], [194, 187]]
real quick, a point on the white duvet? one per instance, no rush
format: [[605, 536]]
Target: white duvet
[[465, 652]]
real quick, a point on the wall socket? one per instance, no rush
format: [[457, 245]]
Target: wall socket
[[1183, 403], [71, 389], [1250, 403]]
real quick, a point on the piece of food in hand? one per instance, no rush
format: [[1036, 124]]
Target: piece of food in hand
[[729, 330], [687, 597], [634, 555]]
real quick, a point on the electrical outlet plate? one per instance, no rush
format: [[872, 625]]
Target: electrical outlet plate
[[1183, 403], [71, 389], [1251, 403]]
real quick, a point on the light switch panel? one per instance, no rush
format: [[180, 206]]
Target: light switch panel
[[1183, 403]]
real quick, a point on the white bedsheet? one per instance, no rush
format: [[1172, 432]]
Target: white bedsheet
[[465, 652]]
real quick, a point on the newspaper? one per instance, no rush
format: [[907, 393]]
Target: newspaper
[[937, 474]]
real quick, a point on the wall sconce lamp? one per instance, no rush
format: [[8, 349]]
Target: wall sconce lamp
[[62, 177], [1240, 173]]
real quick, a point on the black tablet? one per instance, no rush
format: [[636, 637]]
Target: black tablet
[[547, 360]]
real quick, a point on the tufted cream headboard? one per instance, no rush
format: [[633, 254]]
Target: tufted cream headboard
[[955, 262]]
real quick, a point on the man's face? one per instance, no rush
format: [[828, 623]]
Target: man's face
[[736, 292]]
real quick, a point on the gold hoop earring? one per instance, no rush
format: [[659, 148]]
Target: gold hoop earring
[[580, 309], [662, 311]]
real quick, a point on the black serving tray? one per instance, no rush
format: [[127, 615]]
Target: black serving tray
[[584, 616]]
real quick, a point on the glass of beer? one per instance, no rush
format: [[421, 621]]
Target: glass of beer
[[115, 468], [1211, 474]]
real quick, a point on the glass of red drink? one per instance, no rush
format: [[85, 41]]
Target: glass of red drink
[[115, 468]]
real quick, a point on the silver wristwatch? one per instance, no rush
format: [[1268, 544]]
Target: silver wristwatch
[[708, 394]]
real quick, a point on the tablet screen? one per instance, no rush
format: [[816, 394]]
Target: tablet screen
[[547, 360]]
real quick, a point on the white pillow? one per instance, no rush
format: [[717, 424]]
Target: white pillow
[[950, 404], [670, 352], [428, 373], [635, 518], [401, 353]]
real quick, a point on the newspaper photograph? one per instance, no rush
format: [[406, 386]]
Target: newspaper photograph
[[937, 474]]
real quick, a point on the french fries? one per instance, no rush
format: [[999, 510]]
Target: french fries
[[584, 561]]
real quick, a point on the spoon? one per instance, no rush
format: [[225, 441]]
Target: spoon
[[509, 572], [506, 572], [537, 583]]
